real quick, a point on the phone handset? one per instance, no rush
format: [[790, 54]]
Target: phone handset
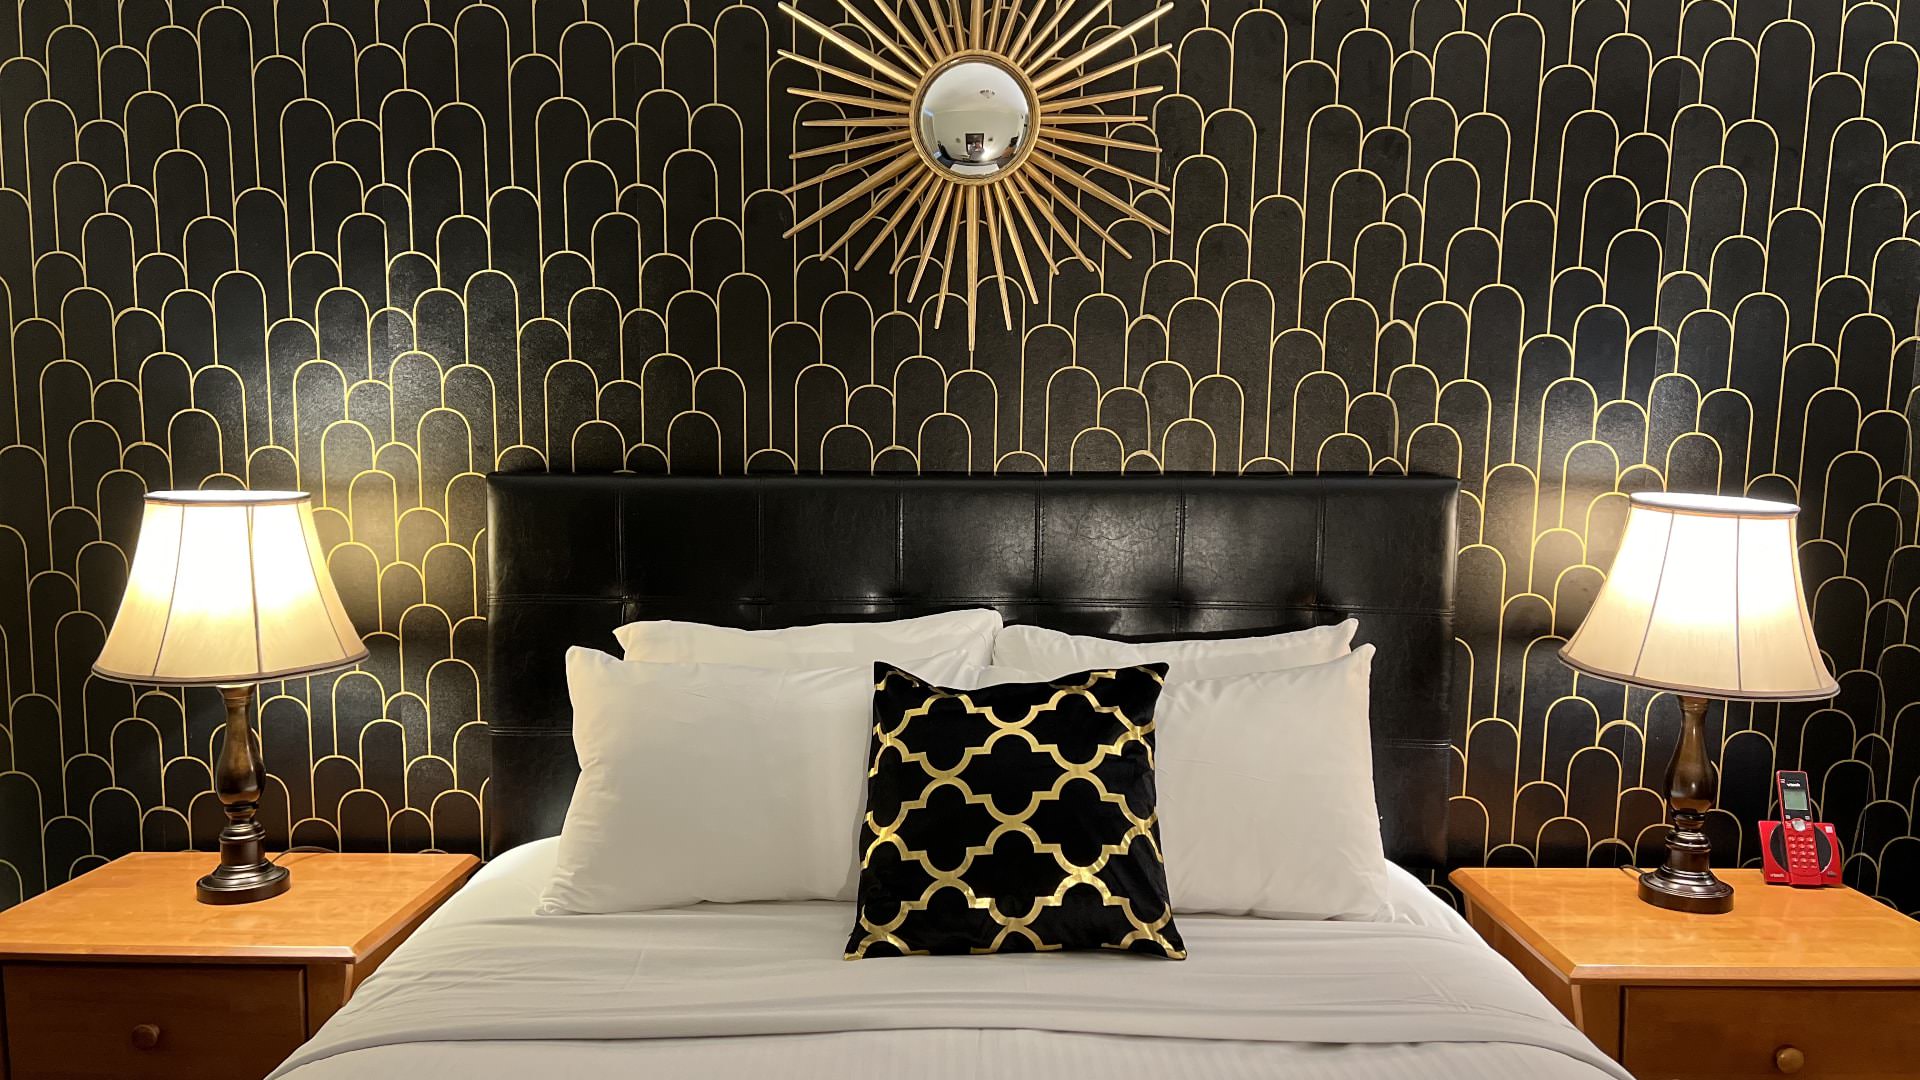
[[1798, 849]]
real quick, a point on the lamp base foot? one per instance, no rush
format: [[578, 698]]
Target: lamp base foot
[[244, 874], [1695, 892], [242, 884]]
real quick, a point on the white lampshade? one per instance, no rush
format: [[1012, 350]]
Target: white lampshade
[[1704, 599], [228, 587]]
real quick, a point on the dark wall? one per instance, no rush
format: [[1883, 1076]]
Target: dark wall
[[1562, 251]]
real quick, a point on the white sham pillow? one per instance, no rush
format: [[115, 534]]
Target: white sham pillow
[[715, 782], [1033, 648], [902, 642], [1265, 791]]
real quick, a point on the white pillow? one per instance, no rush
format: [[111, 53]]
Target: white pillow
[[715, 782], [1265, 791], [902, 642], [1032, 648]]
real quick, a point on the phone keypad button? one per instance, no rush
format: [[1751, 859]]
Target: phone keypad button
[[1803, 858]]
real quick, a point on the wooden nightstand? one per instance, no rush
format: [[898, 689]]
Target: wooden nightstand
[[1813, 982], [122, 973]]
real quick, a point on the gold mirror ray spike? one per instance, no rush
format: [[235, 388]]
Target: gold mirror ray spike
[[849, 144], [1004, 212], [1097, 118], [981, 96], [903, 47], [999, 266], [1060, 105], [1049, 46], [941, 211], [920, 188], [1098, 48], [850, 99]]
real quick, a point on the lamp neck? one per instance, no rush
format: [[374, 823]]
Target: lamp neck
[[1692, 780], [237, 775]]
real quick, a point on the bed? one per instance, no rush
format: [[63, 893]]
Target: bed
[[486, 989]]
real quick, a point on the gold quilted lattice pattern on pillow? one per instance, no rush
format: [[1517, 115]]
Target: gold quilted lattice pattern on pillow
[[1013, 818]]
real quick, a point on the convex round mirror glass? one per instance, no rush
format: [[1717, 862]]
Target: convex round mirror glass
[[975, 119]]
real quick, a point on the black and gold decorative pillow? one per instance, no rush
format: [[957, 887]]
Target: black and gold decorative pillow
[[1014, 818]]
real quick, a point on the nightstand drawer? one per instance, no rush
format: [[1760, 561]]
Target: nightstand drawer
[[1734, 1033], [204, 1022]]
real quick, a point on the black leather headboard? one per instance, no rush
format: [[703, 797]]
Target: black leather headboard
[[572, 557]]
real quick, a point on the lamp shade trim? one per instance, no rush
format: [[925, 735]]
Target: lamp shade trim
[[144, 679], [1698, 691], [221, 497], [1678, 502]]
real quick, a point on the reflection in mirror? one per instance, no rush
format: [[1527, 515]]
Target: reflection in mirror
[[974, 119]]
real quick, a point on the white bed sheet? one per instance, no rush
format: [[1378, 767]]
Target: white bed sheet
[[485, 934]]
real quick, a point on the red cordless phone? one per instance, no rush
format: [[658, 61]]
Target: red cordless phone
[[1796, 849]]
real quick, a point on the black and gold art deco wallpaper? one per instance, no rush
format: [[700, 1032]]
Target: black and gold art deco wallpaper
[[375, 248]]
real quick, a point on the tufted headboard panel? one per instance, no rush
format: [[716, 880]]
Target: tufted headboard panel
[[573, 557]]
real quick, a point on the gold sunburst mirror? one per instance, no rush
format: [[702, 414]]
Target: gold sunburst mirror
[[969, 129]]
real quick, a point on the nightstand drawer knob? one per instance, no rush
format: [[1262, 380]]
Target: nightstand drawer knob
[[1789, 1059], [145, 1036]]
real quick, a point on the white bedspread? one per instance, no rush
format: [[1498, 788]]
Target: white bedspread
[[487, 990]]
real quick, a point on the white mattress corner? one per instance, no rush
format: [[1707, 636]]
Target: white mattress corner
[[508, 883]]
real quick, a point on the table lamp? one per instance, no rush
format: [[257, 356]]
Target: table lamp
[[1703, 600], [227, 589]]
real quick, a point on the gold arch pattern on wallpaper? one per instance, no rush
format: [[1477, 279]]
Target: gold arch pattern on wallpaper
[[1562, 250]]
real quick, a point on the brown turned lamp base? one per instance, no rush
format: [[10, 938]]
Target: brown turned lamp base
[[242, 884], [1699, 895], [1685, 882], [244, 874]]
